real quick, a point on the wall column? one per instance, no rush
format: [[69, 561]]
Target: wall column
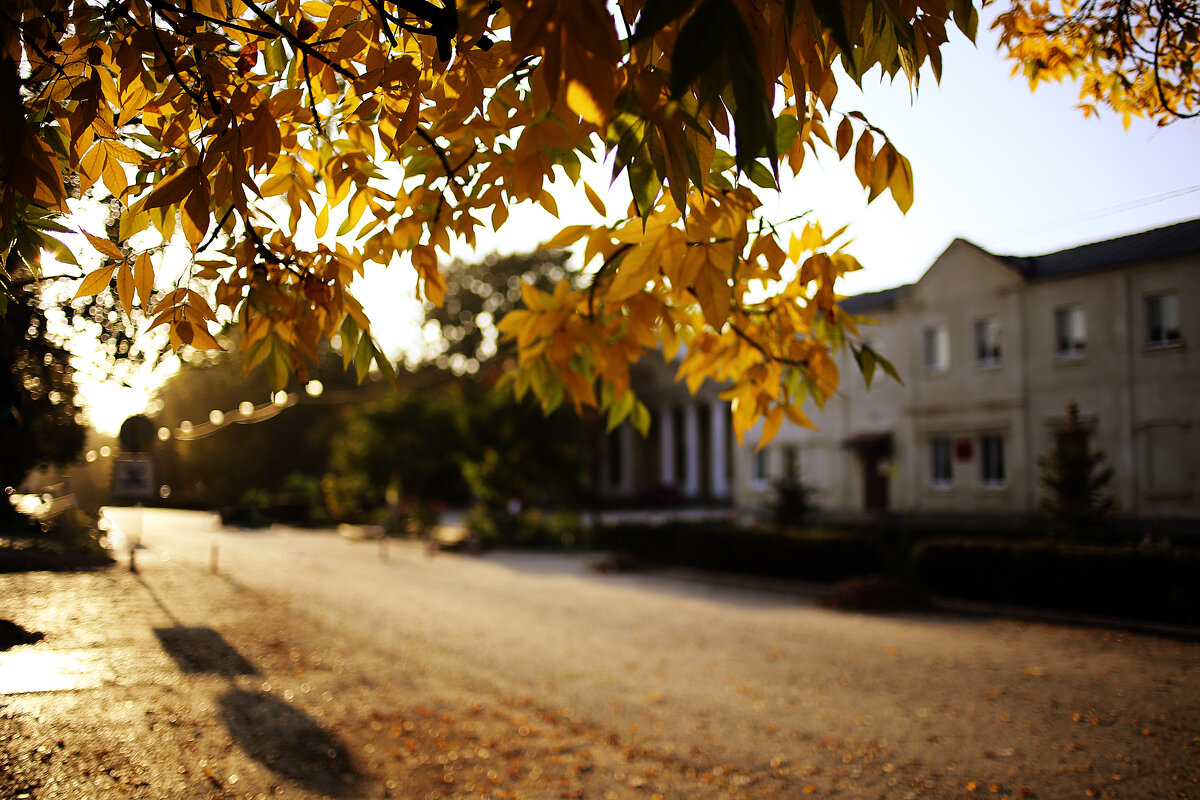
[[666, 446], [719, 450], [691, 450]]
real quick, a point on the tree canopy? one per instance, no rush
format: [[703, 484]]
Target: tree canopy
[[38, 412], [289, 143]]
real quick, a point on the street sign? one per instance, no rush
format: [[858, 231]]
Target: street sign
[[133, 477]]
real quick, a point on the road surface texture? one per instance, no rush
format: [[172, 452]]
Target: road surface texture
[[311, 666]]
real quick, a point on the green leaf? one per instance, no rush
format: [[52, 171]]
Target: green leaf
[[363, 356], [640, 417], [888, 368], [866, 362], [645, 185], [787, 128], [761, 176], [349, 334]]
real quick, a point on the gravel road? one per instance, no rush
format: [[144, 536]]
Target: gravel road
[[314, 666]]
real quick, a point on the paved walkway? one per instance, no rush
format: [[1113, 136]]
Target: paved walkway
[[175, 683]]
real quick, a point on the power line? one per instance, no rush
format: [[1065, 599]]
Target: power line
[[1089, 216]]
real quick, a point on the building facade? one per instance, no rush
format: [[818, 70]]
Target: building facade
[[991, 350]]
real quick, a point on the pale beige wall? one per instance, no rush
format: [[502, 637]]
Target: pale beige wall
[[969, 399], [1137, 398]]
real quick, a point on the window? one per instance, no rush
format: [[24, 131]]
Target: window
[[1070, 332], [987, 342], [759, 467], [940, 462], [937, 349], [991, 460], [1162, 320]]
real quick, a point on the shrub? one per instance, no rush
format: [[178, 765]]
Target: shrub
[[1137, 582], [811, 555]]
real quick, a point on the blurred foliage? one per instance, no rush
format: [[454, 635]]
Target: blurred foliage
[[408, 444], [478, 295], [270, 456], [38, 410], [451, 444]]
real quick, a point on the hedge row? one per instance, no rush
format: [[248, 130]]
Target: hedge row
[[802, 555], [1151, 583], [1136, 582]]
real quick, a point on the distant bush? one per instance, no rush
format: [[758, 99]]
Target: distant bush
[[1119, 581], [808, 554], [531, 527]]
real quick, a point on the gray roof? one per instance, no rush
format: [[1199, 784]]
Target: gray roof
[[872, 301], [1180, 239], [1171, 241]]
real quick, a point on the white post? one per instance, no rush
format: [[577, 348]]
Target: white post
[[719, 449], [666, 446], [691, 439]]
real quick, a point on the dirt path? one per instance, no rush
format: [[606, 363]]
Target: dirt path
[[176, 683]]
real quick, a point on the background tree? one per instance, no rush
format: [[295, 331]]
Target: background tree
[[402, 450], [215, 465], [39, 419], [1077, 484], [456, 441], [1137, 58], [478, 295]]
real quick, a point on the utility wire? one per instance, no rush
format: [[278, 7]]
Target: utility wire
[[1088, 216]]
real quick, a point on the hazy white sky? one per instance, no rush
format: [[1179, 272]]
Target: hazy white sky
[[1015, 172]]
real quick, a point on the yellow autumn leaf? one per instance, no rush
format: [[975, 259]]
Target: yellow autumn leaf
[[95, 281], [583, 102]]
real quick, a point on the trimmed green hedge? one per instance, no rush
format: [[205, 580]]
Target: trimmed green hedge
[[811, 555], [1150, 583], [1136, 582]]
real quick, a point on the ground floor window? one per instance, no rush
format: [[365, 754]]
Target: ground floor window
[[991, 460], [760, 467], [940, 463]]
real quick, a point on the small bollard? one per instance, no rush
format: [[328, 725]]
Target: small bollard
[[133, 559], [212, 558]]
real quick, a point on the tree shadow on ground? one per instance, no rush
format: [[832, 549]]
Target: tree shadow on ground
[[12, 634], [288, 742], [197, 650]]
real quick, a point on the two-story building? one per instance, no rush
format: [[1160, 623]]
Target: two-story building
[[991, 349]]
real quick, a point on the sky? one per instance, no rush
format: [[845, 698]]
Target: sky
[[1013, 171]]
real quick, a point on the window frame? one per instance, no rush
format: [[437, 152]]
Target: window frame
[[993, 473], [1160, 319], [1075, 348], [760, 467], [988, 350], [937, 334], [936, 478]]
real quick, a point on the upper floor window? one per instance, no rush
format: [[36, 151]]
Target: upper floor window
[[987, 342], [1070, 332], [1162, 319], [991, 460], [940, 462], [937, 349]]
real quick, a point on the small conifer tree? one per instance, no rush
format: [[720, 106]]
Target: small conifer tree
[[1076, 481]]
